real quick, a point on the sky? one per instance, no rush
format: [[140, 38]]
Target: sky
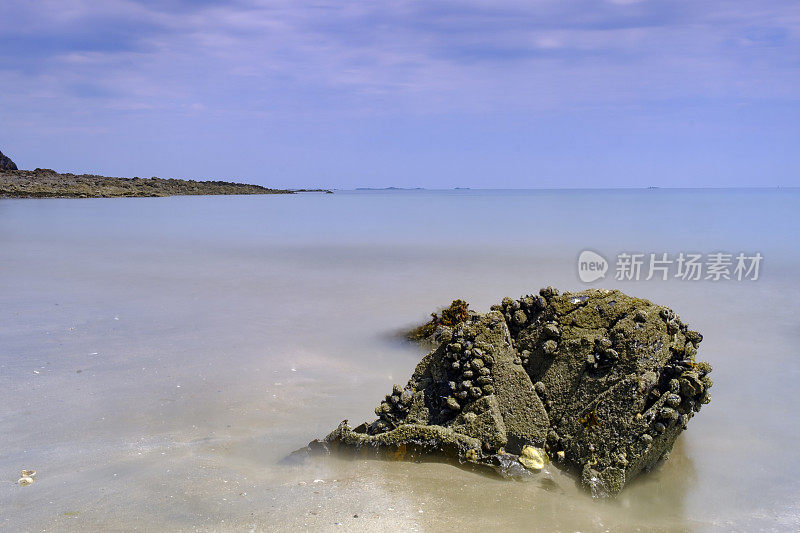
[[436, 94]]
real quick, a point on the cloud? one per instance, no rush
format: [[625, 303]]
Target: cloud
[[105, 63], [424, 54]]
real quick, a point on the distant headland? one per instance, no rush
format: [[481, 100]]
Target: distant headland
[[46, 183]]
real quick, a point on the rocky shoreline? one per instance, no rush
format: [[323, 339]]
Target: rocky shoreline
[[45, 183]]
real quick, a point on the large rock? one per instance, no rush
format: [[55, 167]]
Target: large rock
[[602, 382], [6, 163]]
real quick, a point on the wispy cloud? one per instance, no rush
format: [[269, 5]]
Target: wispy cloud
[[422, 53], [92, 61]]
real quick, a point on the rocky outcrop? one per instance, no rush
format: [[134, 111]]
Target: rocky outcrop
[[46, 183], [599, 382], [6, 163]]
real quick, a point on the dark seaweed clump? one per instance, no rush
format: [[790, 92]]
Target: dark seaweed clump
[[453, 315]]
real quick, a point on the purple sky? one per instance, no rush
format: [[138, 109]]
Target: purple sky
[[476, 93]]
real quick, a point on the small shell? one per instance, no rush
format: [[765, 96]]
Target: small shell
[[407, 396], [533, 458], [453, 404], [28, 473], [25, 480], [551, 330], [673, 400]]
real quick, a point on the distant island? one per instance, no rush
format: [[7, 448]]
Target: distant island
[[389, 189], [403, 188]]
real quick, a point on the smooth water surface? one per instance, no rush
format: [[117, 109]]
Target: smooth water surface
[[159, 357]]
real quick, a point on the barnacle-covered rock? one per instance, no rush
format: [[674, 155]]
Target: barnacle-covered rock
[[600, 381]]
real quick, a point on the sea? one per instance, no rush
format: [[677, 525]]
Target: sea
[[161, 357]]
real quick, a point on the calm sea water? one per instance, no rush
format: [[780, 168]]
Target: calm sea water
[[158, 357]]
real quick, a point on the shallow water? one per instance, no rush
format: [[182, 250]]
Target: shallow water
[[159, 357]]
